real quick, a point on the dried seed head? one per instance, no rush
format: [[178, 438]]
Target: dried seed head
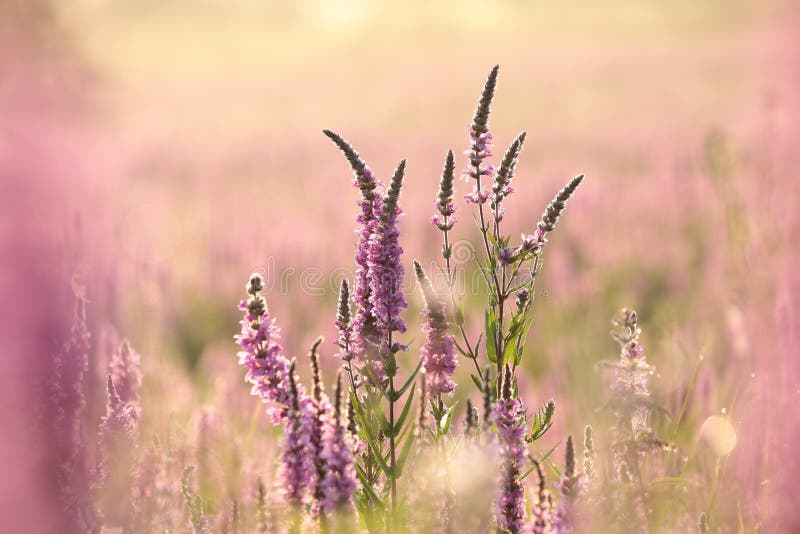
[[557, 205], [589, 454]]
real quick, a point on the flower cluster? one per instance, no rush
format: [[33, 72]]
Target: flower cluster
[[439, 351], [510, 421], [480, 138], [261, 355], [631, 373], [127, 376], [339, 482], [385, 268], [363, 324]]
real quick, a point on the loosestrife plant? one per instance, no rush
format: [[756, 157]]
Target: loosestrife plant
[[322, 458]]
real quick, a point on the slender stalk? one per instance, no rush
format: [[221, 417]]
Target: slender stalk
[[392, 449]]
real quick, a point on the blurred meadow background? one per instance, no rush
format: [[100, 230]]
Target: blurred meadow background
[[157, 152]]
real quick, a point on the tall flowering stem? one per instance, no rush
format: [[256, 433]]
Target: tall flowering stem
[[386, 275], [65, 410], [363, 324], [510, 421], [261, 355], [296, 473], [322, 412], [632, 435], [339, 482], [445, 219], [379, 304], [439, 350], [125, 371]]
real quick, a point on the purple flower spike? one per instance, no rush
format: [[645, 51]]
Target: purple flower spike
[[439, 351], [385, 270], [296, 472], [363, 324], [261, 355], [127, 376], [510, 421], [339, 483]]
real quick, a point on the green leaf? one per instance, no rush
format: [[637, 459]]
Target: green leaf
[[402, 419], [401, 460], [477, 381], [381, 460], [462, 351], [542, 422], [399, 393], [491, 327], [447, 419], [508, 352], [367, 486]]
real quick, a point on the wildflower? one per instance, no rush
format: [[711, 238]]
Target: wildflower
[[480, 137], [114, 475], [127, 376], [194, 504], [510, 421], [385, 269], [439, 350], [66, 404], [322, 413], [339, 482], [363, 324], [261, 353], [631, 374], [542, 516]]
